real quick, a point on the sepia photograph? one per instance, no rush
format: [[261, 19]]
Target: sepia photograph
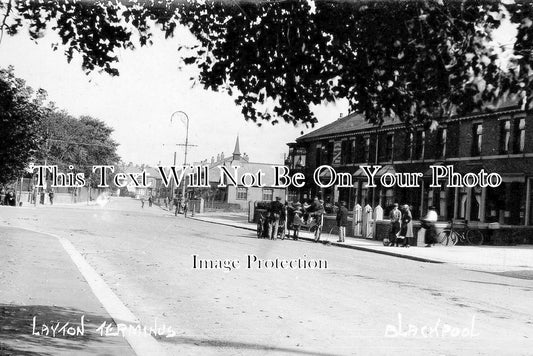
[[266, 177]]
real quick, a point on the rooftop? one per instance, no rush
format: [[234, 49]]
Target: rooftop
[[352, 122]]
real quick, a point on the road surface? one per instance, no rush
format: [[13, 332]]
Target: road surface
[[361, 304]]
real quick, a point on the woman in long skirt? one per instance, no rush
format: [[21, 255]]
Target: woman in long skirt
[[406, 229]]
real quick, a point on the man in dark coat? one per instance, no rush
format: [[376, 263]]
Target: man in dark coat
[[11, 198], [342, 221], [276, 211], [395, 218]]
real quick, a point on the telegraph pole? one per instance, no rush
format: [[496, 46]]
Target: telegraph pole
[[186, 145]]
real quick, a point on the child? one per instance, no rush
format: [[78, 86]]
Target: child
[[297, 220]]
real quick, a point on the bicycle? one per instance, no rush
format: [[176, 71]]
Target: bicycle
[[450, 236], [316, 228], [334, 230]]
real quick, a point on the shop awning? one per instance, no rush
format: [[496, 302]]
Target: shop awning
[[475, 167], [326, 173], [388, 168], [429, 172], [511, 178]]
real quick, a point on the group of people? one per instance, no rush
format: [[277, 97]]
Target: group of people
[[177, 204], [295, 215], [308, 213], [8, 197], [180, 205], [150, 201], [402, 228]]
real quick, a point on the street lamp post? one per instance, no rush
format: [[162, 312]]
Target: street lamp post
[[186, 144]]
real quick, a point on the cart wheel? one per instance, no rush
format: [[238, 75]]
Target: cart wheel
[[317, 231], [474, 237]]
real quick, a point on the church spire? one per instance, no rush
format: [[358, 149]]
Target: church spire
[[237, 151]]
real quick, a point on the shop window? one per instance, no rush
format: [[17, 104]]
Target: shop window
[[463, 195], [345, 194], [389, 198], [475, 204]]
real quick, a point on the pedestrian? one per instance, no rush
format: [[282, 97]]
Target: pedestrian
[[185, 206], [283, 221], [428, 223], [177, 203], [395, 216], [316, 215], [342, 221], [406, 229], [276, 210], [314, 210], [297, 220], [142, 202], [11, 199], [42, 196], [150, 201], [51, 197], [2, 196]]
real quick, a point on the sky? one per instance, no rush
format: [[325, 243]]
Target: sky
[[139, 103]]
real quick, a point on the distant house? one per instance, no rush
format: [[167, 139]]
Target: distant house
[[240, 195], [153, 180]]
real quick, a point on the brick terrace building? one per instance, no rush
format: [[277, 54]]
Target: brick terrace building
[[500, 142]]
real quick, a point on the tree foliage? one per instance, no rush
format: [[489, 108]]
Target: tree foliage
[[21, 111], [415, 60], [77, 142], [34, 131]]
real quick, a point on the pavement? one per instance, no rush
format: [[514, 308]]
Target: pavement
[[486, 258]]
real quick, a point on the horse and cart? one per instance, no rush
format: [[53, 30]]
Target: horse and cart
[[291, 220]]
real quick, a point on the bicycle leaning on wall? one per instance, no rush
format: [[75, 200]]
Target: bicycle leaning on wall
[[450, 236]]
